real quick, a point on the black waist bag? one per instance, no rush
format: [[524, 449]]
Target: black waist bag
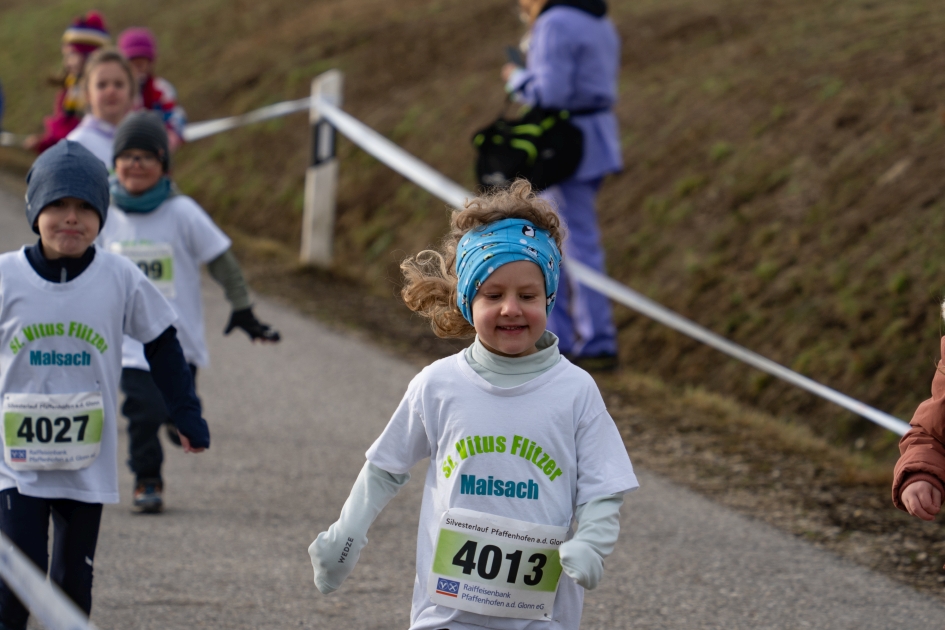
[[543, 146]]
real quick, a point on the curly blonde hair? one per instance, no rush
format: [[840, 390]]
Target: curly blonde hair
[[430, 281]]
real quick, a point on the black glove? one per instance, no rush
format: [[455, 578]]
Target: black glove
[[253, 327]]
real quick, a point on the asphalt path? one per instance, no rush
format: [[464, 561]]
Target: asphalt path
[[290, 424]]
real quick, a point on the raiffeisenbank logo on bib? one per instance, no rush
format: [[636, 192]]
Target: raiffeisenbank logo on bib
[[76, 330]]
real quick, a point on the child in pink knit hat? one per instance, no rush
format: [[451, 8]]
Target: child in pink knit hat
[[139, 45], [84, 36]]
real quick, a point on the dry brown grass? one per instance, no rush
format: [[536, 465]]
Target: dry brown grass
[[784, 163], [784, 186]]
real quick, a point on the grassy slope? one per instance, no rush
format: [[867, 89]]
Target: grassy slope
[[784, 181]]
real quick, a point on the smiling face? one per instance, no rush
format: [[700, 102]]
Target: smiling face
[[67, 227], [109, 92], [138, 170], [509, 309]]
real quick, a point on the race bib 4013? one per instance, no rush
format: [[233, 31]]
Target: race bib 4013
[[496, 566], [52, 431]]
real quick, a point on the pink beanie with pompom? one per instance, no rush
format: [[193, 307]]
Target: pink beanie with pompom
[[138, 42]]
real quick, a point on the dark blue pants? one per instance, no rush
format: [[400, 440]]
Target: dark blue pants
[[146, 411], [581, 317], [25, 521]]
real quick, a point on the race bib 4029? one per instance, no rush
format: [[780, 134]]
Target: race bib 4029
[[52, 431], [496, 566], [156, 260]]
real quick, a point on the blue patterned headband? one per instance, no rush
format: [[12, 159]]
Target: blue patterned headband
[[486, 248]]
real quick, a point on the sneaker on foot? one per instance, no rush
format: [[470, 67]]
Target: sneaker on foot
[[148, 496]]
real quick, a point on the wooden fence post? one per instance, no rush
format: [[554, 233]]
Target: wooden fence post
[[321, 177]]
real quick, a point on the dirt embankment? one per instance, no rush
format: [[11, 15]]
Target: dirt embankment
[[783, 181]]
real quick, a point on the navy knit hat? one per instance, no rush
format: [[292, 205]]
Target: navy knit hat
[[67, 169], [145, 131]]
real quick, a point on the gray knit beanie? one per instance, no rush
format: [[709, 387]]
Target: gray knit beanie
[[145, 131], [67, 169]]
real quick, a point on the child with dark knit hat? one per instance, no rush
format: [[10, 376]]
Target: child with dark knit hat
[[156, 94], [84, 36], [169, 237], [65, 306]]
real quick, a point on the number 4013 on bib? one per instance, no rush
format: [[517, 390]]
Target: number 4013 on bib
[[496, 566]]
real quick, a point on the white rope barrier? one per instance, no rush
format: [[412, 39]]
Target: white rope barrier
[[8, 139], [455, 195], [394, 157], [43, 599], [644, 305], [195, 131]]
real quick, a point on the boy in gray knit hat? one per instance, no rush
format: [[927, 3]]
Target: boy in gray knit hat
[[169, 237], [66, 307], [145, 131]]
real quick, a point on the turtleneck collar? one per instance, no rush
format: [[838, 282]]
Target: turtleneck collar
[[511, 371], [60, 269], [104, 128]]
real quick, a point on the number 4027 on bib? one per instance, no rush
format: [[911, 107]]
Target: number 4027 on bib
[[52, 431]]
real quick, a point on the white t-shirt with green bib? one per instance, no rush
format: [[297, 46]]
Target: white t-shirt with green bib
[[171, 243], [66, 338], [532, 453]]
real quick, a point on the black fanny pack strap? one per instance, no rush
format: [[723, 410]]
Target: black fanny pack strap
[[589, 111]]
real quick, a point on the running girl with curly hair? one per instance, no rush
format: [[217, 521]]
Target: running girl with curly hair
[[518, 438]]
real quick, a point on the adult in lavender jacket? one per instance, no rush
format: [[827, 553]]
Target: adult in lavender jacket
[[573, 62]]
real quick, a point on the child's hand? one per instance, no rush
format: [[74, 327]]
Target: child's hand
[[32, 141], [246, 321], [922, 499], [582, 563], [334, 555], [507, 71], [185, 444], [335, 552]]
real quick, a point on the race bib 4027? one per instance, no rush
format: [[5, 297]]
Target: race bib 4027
[[52, 431], [496, 566]]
